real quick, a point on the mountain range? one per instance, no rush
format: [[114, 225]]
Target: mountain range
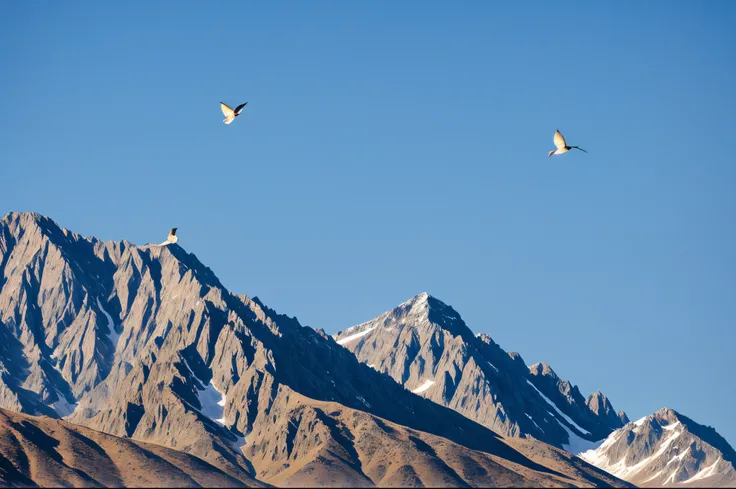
[[133, 365], [144, 343]]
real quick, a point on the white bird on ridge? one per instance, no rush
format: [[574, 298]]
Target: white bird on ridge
[[562, 146], [171, 239], [231, 114]]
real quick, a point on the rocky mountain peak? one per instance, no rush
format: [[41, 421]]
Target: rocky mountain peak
[[417, 306], [703, 432], [20, 223], [543, 369], [598, 402], [419, 299], [24, 218], [599, 405], [421, 311], [665, 416]]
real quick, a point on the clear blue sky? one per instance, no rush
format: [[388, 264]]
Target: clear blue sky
[[394, 148]]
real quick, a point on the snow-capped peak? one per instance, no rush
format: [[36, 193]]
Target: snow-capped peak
[[664, 449]]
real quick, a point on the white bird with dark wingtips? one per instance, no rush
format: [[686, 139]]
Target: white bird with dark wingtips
[[171, 239], [562, 146], [231, 114]]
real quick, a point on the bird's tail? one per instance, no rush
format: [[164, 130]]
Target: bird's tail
[[551, 153]]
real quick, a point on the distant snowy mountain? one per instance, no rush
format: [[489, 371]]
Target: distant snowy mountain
[[426, 346], [666, 449]]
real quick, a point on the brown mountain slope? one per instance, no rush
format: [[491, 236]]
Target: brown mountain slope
[[326, 444], [46, 452]]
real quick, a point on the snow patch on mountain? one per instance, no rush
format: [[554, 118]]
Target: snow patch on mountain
[[567, 418], [705, 473], [362, 399], [212, 402], [355, 336], [535, 423], [112, 335], [577, 444], [426, 385], [63, 407], [210, 399], [671, 427], [638, 423]]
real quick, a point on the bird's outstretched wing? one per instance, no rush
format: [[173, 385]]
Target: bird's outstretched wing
[[226, 110], [578, 147], [559, 140], [173, 232], [239, 108]]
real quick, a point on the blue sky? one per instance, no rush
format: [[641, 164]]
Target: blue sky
[[393, 148]]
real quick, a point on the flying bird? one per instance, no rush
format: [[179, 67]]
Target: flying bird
[[231, 114], [172, 236], [562, 146]]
